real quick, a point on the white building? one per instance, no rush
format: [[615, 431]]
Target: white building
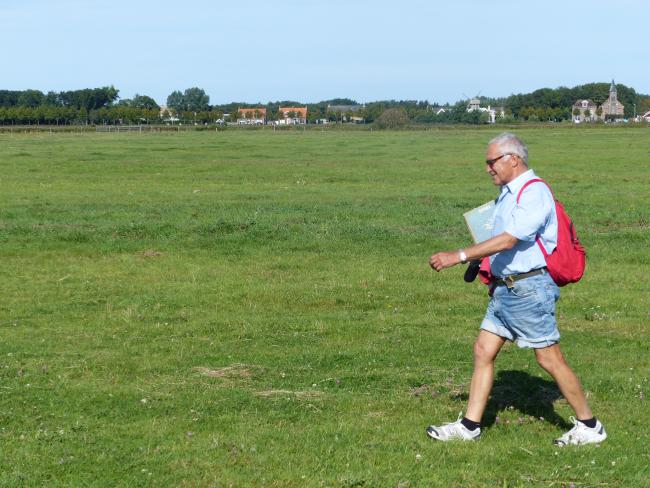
[[475, 104]]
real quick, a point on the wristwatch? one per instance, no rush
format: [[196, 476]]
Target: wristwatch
[[462, 256]]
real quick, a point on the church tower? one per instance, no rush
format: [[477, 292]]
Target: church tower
[[612, 94], [612, 109]]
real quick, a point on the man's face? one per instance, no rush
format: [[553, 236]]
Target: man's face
[[499, 166]]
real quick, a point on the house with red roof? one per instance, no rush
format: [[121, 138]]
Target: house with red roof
[[251, 116], [292, 115]]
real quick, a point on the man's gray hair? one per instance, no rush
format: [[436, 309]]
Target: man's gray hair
[[510, 143]]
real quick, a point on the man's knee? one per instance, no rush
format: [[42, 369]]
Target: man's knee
[[483, 353], [550, 358], [545, 363]]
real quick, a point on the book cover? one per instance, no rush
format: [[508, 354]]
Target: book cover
[[480, 221]]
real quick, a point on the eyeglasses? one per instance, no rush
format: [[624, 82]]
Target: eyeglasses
[[492, 162]]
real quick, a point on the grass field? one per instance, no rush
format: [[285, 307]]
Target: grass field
[[251, 308]]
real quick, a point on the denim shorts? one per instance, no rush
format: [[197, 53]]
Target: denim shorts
[[525, 313]]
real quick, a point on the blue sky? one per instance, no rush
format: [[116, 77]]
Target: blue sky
[[267, 50]]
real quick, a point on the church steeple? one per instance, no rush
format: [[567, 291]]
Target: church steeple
[[612, 95]]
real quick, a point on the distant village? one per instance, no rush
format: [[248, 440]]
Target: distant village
[[583, 110]]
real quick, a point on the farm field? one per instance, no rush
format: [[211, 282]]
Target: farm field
[[255, 308]]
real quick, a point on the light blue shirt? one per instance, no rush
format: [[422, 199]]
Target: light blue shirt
[[533, 216]]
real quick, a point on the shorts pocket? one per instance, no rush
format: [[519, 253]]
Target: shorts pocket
[[524, 288], [551, 296]]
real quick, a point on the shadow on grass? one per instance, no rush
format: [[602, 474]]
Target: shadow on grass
[[530, 395]]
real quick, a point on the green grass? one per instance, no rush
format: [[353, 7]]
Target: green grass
[[251, 308]]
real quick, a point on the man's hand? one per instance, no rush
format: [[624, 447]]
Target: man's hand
[[442, 260], [503, 241]]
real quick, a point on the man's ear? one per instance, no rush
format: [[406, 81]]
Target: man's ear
[[516, 161]]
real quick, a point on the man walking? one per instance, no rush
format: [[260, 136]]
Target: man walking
[[522, 308]]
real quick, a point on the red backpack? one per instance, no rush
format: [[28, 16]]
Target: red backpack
[[566, 264]]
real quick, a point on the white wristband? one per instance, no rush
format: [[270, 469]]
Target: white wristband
[[462, 256]]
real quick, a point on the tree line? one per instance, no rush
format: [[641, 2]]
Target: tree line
[[97, 106], [89, 98], [104, 106]]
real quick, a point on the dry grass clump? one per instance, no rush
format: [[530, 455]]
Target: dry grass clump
[[233, 371]]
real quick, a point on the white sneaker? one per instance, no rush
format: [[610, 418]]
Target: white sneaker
[[453, 431], [581, 434]]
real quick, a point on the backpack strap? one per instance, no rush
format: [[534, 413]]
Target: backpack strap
[[530, 182]]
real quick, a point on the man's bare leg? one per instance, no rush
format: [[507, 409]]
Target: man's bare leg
[[552, 360], [486, 348]]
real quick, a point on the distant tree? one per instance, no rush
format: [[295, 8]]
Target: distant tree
[[175, 101], [52, 99], [49, 114], [587, 114], [274, 114], [192, 100], [9, 98], [644, 104], [144, 102], [474, 117], [392, 118], [565, 112], [599, 111], [425, 118], [82, 116], [339, 101], [507, 118], [196, 99], [89, 98], [107, 96], [103, 116], [203, 117], [31, 98], [576, 112]]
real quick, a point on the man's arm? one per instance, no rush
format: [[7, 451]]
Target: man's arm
[[502, 242]]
